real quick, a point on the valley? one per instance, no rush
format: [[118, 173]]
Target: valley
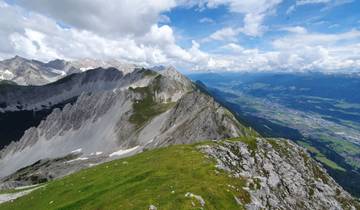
[[321, 117]]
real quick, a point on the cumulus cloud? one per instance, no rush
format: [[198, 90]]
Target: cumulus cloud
[[254, 12], [299, 50], [303, 2], [206, 20], [110, 17], [31, 33], [224, 34], [295, 29], [37, 36], [328, 4], [302, 51]]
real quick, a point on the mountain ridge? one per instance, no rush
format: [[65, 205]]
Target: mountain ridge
[[150, 111]]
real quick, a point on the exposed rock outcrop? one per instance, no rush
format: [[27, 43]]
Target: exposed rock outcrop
[[280, 175]]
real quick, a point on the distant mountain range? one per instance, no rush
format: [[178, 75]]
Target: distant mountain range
[[23, 71]]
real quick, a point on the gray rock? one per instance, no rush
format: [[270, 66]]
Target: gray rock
[[152, 207], [289, 178]]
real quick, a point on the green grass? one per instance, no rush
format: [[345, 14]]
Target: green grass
[[147, 108], [160, 177], [321, 157], [250, 141], [329, 163], [281, 147]]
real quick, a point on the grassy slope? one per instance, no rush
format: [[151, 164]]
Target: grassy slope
[[160, 177], [148, 108], [321, 157]]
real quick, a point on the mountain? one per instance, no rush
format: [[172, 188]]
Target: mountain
[[22, 107], [238, 173], [112, 114], [318, 111], [32, 72], [187, 150], [66, 67], [88, 63], [27, 72]]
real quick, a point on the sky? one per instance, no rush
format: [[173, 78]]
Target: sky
[[192, 35]]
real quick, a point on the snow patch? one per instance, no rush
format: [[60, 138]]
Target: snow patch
[[12, 196], [27, 186], [6, 75], [96, 153], [56, 71], [122, 152], [76, 151], [86, 68], [77, 159]]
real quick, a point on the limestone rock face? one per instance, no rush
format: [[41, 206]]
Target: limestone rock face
[[118, 115], [17, 98], [280, 175]]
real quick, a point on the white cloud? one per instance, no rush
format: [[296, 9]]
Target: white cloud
[[295, 29], [315, 39], [206, 20], [224, 34], [329, 4], [254, 12], [303, 2], [164, 19], [299, 50], [233, 47], [110, 17], [291, 9], [37, 36]]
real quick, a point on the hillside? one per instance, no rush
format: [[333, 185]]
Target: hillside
[[241, 173]]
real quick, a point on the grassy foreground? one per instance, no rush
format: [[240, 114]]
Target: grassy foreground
[[158, 177]]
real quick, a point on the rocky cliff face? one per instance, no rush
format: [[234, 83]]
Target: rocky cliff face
[[22, 107], [143, 109], [280, 175], [15, 97]]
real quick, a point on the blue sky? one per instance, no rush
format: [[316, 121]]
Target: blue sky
[[316, 17], [193, 35]]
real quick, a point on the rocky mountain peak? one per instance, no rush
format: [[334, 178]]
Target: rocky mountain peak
[[142, 109], [57, 63], [171, 72], [88, 63]]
